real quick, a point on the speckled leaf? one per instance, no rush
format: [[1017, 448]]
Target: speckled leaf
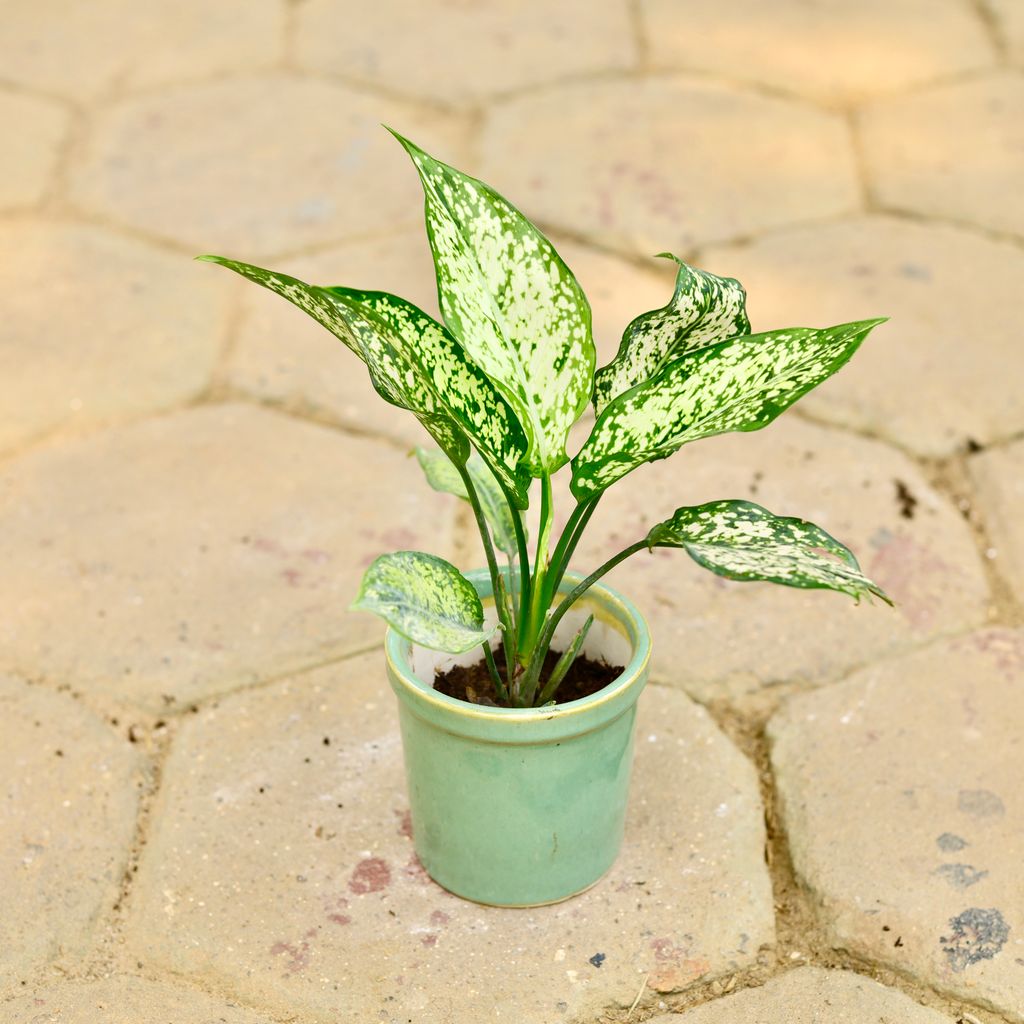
[[442, 475], [511, 301], [418, 357], [426, 599], [704, 309], [743, 541], [739, 384], [415, 364]]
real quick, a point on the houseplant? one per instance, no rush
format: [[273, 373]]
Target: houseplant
[[519, 798]]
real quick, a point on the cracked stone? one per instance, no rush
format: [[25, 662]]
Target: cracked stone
[[914, 382], [998, 476], [716, 637], [667, 163], [98, 328], [283, 357], [168, 560], [83, 51], [282, 869], [877, 774], [34, 129], [67, 815], [810, 995], [501, 48], [827, 50], [254, 166], [123, 1000], [955, 151]]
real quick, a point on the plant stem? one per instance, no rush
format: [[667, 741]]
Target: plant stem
[[499, 686], [529, 684], [561, 670], [537, 604], [567, 543], [524, 566]]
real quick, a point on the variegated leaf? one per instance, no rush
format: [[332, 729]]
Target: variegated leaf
[[414, 363], [426, 599], [704, 309], [512, 303], [739, 384], [743, 541], [443, 476]]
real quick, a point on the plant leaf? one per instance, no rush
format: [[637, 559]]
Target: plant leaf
[[512, 303], [426, 599], [739, 384], [415, 364], [743, 541], [443, 476], [704, 309]]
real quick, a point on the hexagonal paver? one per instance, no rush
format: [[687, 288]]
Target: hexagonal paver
[[254, 166], [999, 478], [282, 867], [810, 995], [955, 151], [124, 1000], [826, 49], [84, 50], [167, 560], [924, 380], [98, 327], [667, 163], [67, 814], [478, 50], [283, 357], [901, 795], [34, 129], [715, 637], [1009, 19]]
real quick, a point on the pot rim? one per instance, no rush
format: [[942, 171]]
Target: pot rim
[[616, 606]]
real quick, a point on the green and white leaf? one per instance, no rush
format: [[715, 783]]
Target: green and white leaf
[[426, 599], [443, 476], [704, 309], [513, 304], [743, 541], [415, 364], [740, 384]]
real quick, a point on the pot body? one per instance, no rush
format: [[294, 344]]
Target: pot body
[[522, 806]]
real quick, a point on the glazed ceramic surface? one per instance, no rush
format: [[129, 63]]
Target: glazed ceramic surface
[[522, 806]]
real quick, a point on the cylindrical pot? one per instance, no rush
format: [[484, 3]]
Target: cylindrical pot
[[522, 806]]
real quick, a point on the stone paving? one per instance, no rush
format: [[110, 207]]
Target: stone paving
[[202, 812]]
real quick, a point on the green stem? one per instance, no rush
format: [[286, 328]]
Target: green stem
[[524, 567], [529, 684], [537, 606], [499, 686], [561, 670], [567, 543]]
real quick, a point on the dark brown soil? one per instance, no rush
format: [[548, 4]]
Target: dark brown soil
[[473, 684]]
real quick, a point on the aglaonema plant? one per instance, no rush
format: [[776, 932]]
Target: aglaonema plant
[[500, 383]]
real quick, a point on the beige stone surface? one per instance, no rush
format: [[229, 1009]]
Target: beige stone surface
[[282, 869], [465, 51], [955, 151], [165, 561], [34, 129], [124, 1000], [282, 357], [810, 995], [924, 380], [253, 166], [832, 50], [98, 327], [716, 637], [667, 163], [67, 814], [85, 50], [901, 795], [1009, 21], [998, 477]]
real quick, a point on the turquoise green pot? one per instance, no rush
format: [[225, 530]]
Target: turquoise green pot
[[522, 806]]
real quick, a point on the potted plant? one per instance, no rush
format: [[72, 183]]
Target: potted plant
[[517, 684]]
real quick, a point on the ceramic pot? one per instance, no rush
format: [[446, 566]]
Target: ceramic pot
[[522, 806]]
